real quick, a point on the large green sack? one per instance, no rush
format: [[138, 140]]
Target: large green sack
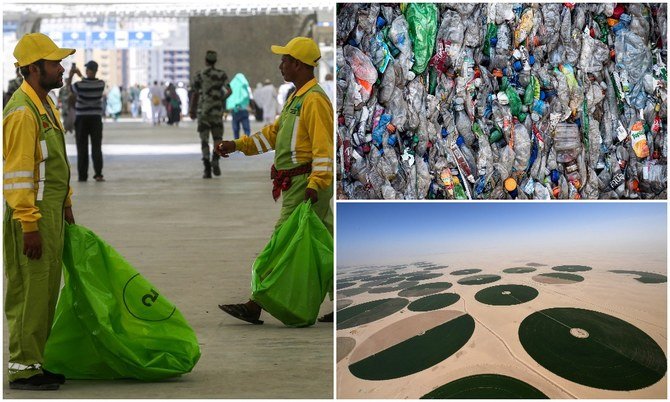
[[422, 21], [294, 272], [111, 322]]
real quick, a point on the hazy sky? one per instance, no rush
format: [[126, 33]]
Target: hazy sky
[[387, 233]]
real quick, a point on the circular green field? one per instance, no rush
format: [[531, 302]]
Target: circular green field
[[434, 302], [352, 291], [644, 277], [519, 270], [486, 386], [466, 271], [417, 353], [536, 264], [392, 280], [479, 279], [396, 288], [425, 289], [422, 276], [344, 285], [568, 278], [593, 349], [571, 268], [378, 278], [368, 312], [506, 295]]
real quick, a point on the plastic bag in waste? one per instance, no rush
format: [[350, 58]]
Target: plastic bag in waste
[[294, 272], [110, 322]]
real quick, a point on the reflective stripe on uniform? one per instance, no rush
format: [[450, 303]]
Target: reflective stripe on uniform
[[294, 139], [18, 173], [322, 160], [21, 367], [265, 142], [258, 144], [45, 151], [18, 109], [322, 168], [18, 186], [40, 191]]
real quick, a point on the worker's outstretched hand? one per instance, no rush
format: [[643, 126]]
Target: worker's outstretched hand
[[32, 245], [225, 148], [310, 194]]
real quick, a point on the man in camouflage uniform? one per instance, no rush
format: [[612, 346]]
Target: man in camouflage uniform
[[207, 104], [13, 85]]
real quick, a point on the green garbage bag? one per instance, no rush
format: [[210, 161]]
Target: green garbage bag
[[422, 21], [112, 323], [294, 272]]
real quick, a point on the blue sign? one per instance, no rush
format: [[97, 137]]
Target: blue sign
[[139, 39], [74, 39], [102, 40]]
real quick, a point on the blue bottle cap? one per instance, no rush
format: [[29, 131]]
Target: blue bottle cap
[[531, 60], [380, 21], [518, 66], [543, 95], [555, 176], [460, 141], [504, 70], [444, 132], [493, 41]]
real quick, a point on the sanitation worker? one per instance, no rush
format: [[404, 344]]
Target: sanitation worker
[[302, 138], [36, 187]]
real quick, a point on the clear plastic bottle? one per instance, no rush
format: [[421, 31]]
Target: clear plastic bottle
[[463, 122]]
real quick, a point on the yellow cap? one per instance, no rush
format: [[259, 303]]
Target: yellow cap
[[301, 48], [38, 46]]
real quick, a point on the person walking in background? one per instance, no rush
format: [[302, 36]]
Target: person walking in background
[[283, 93], [89, 111], [135, 100], [36, 188], [238, 104], [266, 99], [210, 90], [67, 101], [156, 96], [173, 105], [302, 138], [114, 104]]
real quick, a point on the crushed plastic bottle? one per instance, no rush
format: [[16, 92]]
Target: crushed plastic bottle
[[460, 101]]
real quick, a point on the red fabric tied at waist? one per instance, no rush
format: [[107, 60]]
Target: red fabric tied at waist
[[281, 179]]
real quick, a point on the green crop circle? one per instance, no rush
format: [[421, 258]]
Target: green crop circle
[[506, 295], [368, 312], [486, 386], [593, 349], [434, 302], [417, 353], [479, 279]]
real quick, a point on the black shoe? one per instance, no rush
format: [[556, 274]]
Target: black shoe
[[215, 168], [38, 382], [207, 174], [59, 378]]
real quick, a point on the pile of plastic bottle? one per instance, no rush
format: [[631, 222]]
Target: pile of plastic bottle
[[502, 101]]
